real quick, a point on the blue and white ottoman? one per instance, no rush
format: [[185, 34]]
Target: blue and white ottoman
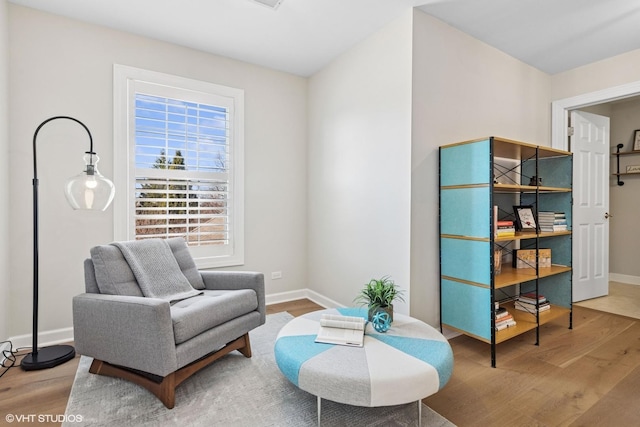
[[409, 362]]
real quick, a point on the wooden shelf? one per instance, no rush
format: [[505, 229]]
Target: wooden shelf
[[618, 174], [523, 324], [520, 235], [510, 276], [511, 188], [526, 321], [511, 149], [626, 153], [523, 235], [514, 188]]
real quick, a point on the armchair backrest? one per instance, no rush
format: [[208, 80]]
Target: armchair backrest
[[107, 271]]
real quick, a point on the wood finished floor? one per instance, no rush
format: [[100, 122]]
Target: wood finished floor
[[623, 299], [588, 376]]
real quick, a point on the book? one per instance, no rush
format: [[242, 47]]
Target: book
[[504, 319], [552, 221], [505, 325], [501, 312], [509, 232], [531, 308], [531, 297], [341, 330], [505, 228], [502, 227]]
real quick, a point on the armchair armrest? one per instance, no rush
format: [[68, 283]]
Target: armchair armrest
[[235, 280], [134, 332]]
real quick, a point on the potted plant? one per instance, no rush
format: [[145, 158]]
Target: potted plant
[[378, 295]]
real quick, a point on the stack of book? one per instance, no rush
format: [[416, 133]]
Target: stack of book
[[504, 319], [505, 228], [527, 302], [552, 221]]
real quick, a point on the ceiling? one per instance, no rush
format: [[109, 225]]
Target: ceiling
[[302, 36], [551, 35]]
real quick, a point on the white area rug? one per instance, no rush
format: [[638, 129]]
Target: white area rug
[[233, 391]]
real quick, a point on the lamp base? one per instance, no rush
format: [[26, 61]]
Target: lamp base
[[48, 357]]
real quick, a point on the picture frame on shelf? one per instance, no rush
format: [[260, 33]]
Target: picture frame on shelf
[[636, 140], [525, 218]]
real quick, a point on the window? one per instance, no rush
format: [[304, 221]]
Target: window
[[178, 163]]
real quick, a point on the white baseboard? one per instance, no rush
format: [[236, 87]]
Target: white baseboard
[[285, 296], [46, 338], [450, 333], [623, 278], [300, 294], [64, 335]]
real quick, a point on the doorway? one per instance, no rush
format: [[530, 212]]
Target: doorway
[[560, 118]]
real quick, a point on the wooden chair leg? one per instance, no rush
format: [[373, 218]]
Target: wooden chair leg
[[165, 390], [246, 350]]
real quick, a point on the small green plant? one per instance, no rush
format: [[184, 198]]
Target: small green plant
[[379, 293]]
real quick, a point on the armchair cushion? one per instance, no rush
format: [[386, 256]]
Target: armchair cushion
[[112, 273], [113, 276], [195, 315], [185, 261]]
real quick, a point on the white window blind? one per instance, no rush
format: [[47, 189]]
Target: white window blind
[[182, 182], [183, 169]]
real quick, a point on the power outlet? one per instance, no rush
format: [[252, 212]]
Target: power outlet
[[276, 275]]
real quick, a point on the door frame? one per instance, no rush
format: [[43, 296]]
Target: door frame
[[560, 113], [560, 109]]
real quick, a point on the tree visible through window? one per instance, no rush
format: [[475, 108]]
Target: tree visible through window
[[181, 204], [178, 169]]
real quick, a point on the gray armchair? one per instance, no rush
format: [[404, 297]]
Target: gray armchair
[[157, 342]]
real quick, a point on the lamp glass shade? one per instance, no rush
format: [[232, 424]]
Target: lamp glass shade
[[89, 190]]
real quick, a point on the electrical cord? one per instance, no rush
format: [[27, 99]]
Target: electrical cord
[[9, 357]]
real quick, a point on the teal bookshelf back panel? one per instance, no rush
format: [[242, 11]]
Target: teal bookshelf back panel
[[554, 171], [555, 288], [465, 211], [560, 249], [465, 164], [466, 307], [466, 260]]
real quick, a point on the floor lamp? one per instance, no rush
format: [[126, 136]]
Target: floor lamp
[[88, 190]]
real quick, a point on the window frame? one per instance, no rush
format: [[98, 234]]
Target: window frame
[[126, 82]]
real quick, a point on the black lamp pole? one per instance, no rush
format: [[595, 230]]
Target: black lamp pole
[[46, 357]]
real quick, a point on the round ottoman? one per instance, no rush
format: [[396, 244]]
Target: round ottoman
[[409, 362]]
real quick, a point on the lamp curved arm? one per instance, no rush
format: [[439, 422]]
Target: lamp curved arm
[[35, 136]]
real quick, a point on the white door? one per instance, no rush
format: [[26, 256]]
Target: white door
[[590, 146]]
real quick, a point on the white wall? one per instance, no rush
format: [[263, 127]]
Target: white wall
[[4, 172], [462, 89], [61, 66], [624, 202], [359, 166], [608, 73]]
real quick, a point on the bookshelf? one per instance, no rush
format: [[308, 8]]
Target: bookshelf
[[618, 172], [480, 183]]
